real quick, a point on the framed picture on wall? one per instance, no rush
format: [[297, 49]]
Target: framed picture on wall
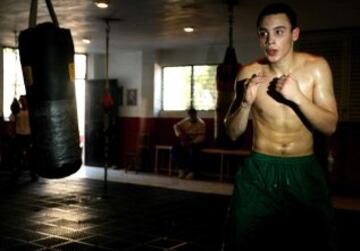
[[131, 97]]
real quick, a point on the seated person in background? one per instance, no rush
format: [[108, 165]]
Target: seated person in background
[[191, 133]]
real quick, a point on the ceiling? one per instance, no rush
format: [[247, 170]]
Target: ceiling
[[157, 24]]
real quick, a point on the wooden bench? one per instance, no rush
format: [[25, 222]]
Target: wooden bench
[[218, 151]]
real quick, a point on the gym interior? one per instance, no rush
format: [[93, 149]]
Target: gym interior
[[133, 71]]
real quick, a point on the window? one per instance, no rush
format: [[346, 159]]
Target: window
[[189, 86], [13, 79], [14, 82], [80, 76]]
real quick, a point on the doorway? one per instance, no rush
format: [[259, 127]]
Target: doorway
[[94, 125]]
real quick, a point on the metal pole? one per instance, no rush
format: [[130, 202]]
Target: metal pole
[[107, 55], [106, 114]]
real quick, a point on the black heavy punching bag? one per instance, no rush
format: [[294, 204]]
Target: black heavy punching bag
[[225, 80], [47, 59]]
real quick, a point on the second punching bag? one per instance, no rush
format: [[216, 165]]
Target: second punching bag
[[47, 59], [225, 80]]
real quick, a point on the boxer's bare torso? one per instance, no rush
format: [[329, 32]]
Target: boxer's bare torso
[[287, 94], [278, 129]]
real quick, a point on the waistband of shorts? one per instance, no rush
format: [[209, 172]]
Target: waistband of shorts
[[288, 159]]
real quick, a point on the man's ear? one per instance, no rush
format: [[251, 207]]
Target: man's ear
[[295, 34]]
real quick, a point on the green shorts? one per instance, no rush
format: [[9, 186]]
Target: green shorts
[[282, 203]]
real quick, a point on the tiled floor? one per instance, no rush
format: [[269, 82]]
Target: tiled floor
[[77, 214], [135, 212], [149, 179]]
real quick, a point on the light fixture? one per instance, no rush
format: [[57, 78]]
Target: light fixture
[[189, 29], [86, 40], [102, 3]]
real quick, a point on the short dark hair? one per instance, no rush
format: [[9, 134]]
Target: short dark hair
[[278, 8]]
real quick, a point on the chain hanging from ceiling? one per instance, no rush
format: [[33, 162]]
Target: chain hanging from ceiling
[[225, 78]]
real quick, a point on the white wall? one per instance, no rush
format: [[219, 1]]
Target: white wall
[[148, 87], [96, 66], [127, 68], [141, 70], [208, 54]]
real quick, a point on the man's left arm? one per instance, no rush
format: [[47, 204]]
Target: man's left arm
[[321, 111]]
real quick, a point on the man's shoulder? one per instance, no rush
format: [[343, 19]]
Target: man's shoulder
[[310, 59], [201, 124], [249, 69], [312, 64], [183, 120], [201, 121]]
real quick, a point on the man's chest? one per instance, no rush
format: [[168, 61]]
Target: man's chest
[[192, 128], [270, 101]]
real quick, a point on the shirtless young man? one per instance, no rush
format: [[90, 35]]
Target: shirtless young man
[[280, 195]]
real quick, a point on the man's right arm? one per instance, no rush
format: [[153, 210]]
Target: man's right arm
[[237, 117], [180, 133], [177, 129]]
